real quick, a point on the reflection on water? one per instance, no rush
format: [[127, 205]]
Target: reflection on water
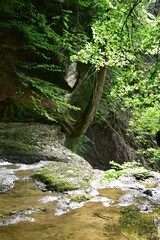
[[28, 213], [36, 219]]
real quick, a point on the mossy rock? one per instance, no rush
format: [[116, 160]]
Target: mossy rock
[[61, 177], [17, 149], [53, 182], [142, 175], [28, 142], [80, 197]]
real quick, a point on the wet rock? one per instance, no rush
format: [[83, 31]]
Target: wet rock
[[59, 176], [104, 200], [48, 199], [80, 197], [157, 223], [7, 179], [5, 222], [8, 173], [17, 216], [145, 208], [143, 175], [155, 196], [148, 192], [128, 199], [29, 143], [65, 205]]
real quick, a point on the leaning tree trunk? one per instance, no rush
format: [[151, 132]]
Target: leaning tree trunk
[[79, 126]]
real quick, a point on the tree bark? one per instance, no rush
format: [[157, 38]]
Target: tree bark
[[79, 127]]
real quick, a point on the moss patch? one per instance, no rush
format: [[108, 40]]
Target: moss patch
[[80, 197], [142, 175], [61, 177], [17, 149], [52, 181]]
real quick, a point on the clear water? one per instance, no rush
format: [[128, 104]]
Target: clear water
[[24, 215]]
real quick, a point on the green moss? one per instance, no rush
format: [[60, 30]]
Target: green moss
[[142, 175], [54, 182], [16, 148], [61, 177], [80, 197]]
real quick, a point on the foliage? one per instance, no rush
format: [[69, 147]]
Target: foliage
[[78, 145], [42, 47], [112, 42], [49, 90], [134, 168], [126, 39], [112, 174], [153, 154]]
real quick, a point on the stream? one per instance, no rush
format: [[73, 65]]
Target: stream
[[95, 209]]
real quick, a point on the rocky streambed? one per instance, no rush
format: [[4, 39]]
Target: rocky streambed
[[48, 192]]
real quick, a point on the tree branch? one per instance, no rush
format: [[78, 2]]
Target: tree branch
[[130, 12]]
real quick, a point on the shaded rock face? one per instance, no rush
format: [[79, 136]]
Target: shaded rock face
[[31, 142], [101, 149], [107, 144], [28, 143], [14, 110]]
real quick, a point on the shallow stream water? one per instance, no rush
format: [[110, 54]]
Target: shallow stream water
[[27, 212]]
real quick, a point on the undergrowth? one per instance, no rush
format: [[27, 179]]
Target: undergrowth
[[128, 168]]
